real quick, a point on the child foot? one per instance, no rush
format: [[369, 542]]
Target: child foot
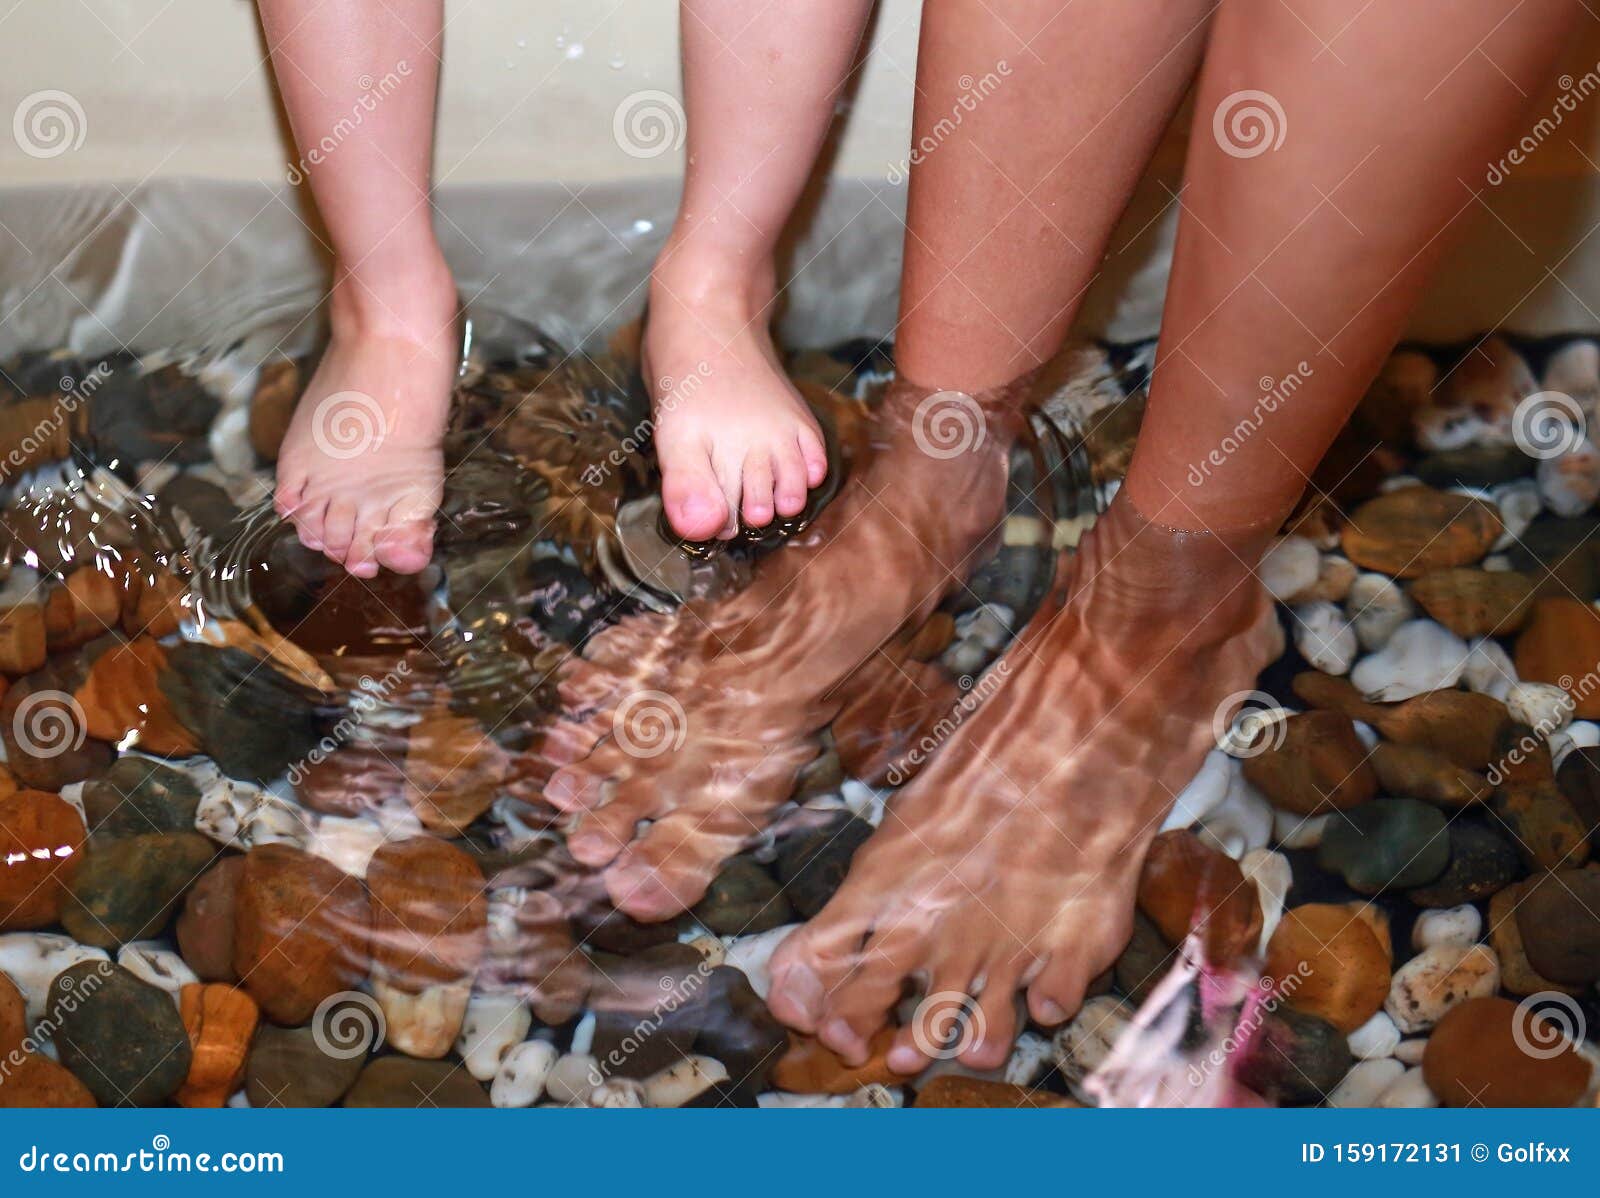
[[1010, 863], [733, 436], [361, 470]]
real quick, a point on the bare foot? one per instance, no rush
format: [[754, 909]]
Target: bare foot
[[699, 723], [361, 470], [1011, 862], [732, 434]]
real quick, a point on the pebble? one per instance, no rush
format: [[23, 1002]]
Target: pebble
[[1408, 1091], [1420, 656], [1317, 764], [1543, 825], [32, 960], [1471, 602], [1409, 532], [401, 1082], [531, 952], [1375, 1039], [1569, 483], [1187, 884], [1365, 1082], [1482, 861], [743, 897], [1288, 567], [572, 1078], [1437, 979], [1488, 669], [1476, 1057], [271, 407], [1388, 843], [221, 1022], [681, 1083], [288, 1067], [1561, 645], [953, 1092], [138, 796], [1205, 791], [1455, 926], [41, 845], [453, 771], [1517, 974], [1539, 705], [38, 1082], [302, 932], [1296, 1059], [1519, 503], [123, 702], [810, 1067], [205, 926], [127, 889], [811, 864], [1082, 1045], [22, 638], [519, 1082], [752, 956], [1418, 772], [1574, 370], [493, 1026], [268, 723], [152, 962], [1326, 963], [1578, 777], [1295, 831], [1324, 636], [1376, 606], [1241, 823], [121, 1037], [1559, 919], [1273, 878]]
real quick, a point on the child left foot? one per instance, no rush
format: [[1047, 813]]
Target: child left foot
[[1011, 861]]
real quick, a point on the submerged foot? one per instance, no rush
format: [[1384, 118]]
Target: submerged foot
[[1011, 862], [361, 470], [691, 730], [733, 436]]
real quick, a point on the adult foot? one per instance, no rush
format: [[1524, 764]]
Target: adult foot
[[361, 470], [732, 434], [1011, 861], [694, 728]]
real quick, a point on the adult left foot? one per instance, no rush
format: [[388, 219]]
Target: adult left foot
[[1011, 861]]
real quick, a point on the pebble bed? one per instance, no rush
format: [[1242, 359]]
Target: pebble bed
[[271, 836]]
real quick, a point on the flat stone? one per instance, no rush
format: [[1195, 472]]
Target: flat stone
[[1408, 532], [1320, 765], [1482, 863], [1328, 963], [121, 1037], [1473, 603], [127, 889], [288, 1067], [1388, 843], [1477, 1057], [1186, 884], [391, 1082], [205, 926], [1561, 645], [1559, 918], [42, 842]]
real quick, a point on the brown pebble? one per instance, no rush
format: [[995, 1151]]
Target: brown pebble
[[1327, 962], [1185, 884], [1414, 530], [1320, 766], [1561, 645], [811, 1067], [1473, 603], [1476, 1057]]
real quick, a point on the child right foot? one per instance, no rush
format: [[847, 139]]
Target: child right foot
[[733, 436], [361, 470]]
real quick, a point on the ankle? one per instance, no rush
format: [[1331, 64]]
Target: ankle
[[694, 273], [415, 302]]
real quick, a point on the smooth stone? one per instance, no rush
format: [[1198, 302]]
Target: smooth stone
[[1324, 637], [1578, 778], [1489, 669], [811, 864], [520, 1080], [1361, 1087], [1289, 567], [430, 913], [1408, 532], [1477, 1057], [221, 1022], [268, 723], [531, 952], [1537, 816], [41, 848], [35, 1081], [1145, 960], [1539, 705], [1460, 925], [399, 1082], [32, 960], [23, 642], [1561, 645], [1375, 1039], [1274, 878], [1327, 963], [121, 1037], [127, 889], [810, 1067], [1472, 603], [151, 961], [954, 1092], [13, 1016], [733, 1025], [752, 956], [1474, 466], [302, 932], [1564, 554], [1295, 1059], [1426, 987], [57, 750], [1408, 1091], [682, 1083], [1559, 918], [1418, 772], [1420, 656], [205, 925], [1482, 862], [1318, 765], [494, 1024], [1241, 823], [1388, 843], [1376, 606], [1569, 482], [1085, 1042], [742, 898], [1464, 727], [453, 771], [1517, 974], [288, 1067], [1185, 884], [1293, 831], [138, 797], [123, 703]]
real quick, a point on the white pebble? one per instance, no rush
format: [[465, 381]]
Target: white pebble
[[1241, 822], [1273, 877], [1290, 565], [1496, 563], [1082, 1045], [572, 1078], [1294, 831], [1204, 793], [752, 956], [1365, 1081], [230, 442], [1436, 979], [683, 1081], [1542, 706], [520, 1080], [619, 1093], [151, 961], [1574, 370], [494, 1025], [1408, 1091], [1410, 1052], [1519, 502], [1421, 656], [1580, 734], [1447, 925], [1377, 606], [1324, 636], [33, 959], [1375, 1039], [1488, 669], [1570, 482], [1030, 1057]]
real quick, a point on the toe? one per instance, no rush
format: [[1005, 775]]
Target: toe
[[405, 548], [575, 788], [992, 1028], [338, 528], [815, 455], [361, 559], [668, 869], [691, 494], [859, 1006], [730, 477], [310, 520], [789, 481], [757, 485], [1057, 993], [290, 492], [603, 832]]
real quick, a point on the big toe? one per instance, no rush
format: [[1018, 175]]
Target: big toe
[[692, 496], [405, 548]]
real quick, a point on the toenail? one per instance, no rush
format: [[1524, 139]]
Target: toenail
[[905, 1059], [1050, 1012]]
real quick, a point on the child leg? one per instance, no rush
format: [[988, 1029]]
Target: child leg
[[760, 89], [360, 472]]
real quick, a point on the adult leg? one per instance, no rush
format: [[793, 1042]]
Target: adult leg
[[1012, 861], [360, 472]]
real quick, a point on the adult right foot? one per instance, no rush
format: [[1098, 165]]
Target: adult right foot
[[698, 725]]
